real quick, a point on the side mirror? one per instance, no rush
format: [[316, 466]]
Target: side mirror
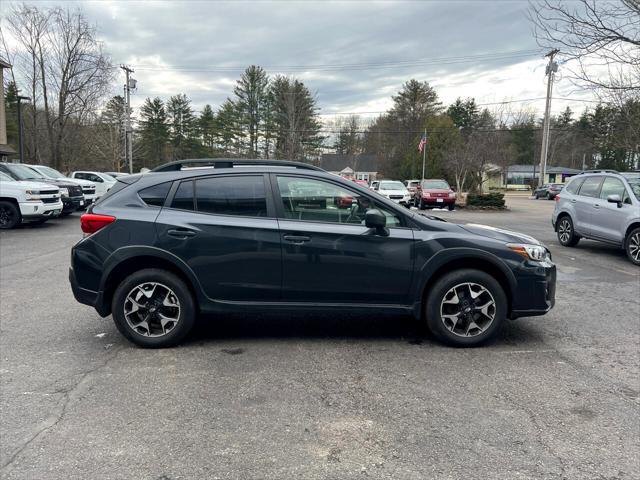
[[615, 198], [375, 219]]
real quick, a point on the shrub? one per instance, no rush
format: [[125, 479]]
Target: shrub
[[493, 199]]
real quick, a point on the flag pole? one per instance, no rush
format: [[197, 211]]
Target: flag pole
[[424, 153]]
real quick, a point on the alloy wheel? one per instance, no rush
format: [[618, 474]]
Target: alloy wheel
[[564, 231], [6, 216], [152, 309], [468, 309], [634, 247]]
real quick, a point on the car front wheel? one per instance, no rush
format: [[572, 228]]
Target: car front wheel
[[466, 308], [9, 215], [566, 234], [153, 308], [632, 246]]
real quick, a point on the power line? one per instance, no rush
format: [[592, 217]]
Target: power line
[[348, 66]]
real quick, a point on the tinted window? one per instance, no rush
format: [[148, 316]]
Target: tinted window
[[590, 186], [319, 201], [241, 195], [155, 196], [574, 185], [612, 186], [183, 199], [435, 185], [81, 176]]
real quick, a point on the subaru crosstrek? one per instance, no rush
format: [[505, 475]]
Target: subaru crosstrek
[[254, 236], [600, 205]]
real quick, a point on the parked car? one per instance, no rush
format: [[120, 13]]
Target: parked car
[[412, 186], [29, 202], [162, 247], [102, 181], [393, 190], [88, 188], [72, 197], [434, 193], [548, 191], [364, 183], [600, 205]]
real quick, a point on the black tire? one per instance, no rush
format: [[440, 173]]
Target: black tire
[[632, 246], [439, 292], [567, 236], [549, 197], [422, 205], [9, 215], [67, 213], [452, 207], [185, 318]]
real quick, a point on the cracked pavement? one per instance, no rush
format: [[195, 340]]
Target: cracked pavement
[[290, 396]]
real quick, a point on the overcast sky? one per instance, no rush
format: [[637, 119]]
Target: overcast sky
[[353, 55]]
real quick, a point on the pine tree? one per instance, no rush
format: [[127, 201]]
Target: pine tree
[[182, 126], [251, 103], [154, 132]]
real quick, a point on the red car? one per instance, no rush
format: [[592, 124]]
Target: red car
[[434, 193]]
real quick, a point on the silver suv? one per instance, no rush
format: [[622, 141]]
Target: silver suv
[[601, 205]]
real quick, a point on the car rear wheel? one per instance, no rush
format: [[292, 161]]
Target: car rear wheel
[[632, 246], [549, 196], [153, 308], [566, 234], [466, 308], [9, 215]]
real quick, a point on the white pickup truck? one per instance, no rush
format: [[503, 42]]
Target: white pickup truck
[[23, 201]]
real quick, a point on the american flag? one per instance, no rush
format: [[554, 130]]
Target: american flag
[[423, 142]]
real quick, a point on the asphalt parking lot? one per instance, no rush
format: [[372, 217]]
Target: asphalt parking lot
[[321, 397]]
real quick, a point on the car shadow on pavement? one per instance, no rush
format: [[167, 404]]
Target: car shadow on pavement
[[346, 326]]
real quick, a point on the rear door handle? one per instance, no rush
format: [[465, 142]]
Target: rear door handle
[[297, 239], [181, 233]]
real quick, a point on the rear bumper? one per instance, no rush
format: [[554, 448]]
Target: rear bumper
[[87, 297]]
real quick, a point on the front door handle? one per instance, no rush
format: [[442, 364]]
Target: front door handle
[[297, 239], [181, 233]]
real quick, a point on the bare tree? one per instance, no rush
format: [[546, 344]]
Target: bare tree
[[67, 69], [602, 36]]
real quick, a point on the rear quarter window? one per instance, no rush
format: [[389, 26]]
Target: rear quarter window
[[155, 195]]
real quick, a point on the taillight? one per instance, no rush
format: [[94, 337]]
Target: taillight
[[91, 222], [557, 198]]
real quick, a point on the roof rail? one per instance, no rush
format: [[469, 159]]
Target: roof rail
[[230, 163], [600, 170]]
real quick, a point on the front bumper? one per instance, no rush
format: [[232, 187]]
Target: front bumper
[[38, 210], [71, 204], [536, 289]]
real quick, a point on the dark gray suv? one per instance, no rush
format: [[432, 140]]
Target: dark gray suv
[[256, 236], [601, 205]]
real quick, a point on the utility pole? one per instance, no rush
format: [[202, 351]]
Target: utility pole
[[21, 128], [551, 69], [130, 84]]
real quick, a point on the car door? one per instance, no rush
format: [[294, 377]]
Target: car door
[[224, 228], [329, 255], [608, 220], [584, 204]]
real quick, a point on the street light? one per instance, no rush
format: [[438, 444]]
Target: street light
[[20, 128]]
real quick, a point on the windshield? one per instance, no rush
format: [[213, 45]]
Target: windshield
[[435, 185], [415, 183], [5, 178], [50, 172], [107, 177], [634, 183], [391, 186], [24, 173]]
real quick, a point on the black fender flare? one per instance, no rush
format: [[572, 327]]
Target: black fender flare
[[448, 255], [121, 255]]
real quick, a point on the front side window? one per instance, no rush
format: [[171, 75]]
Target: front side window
[[241, 196], [319, 201], [590, 187], [612, 186]]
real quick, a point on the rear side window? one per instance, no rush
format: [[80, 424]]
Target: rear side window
[[183, 199], [574, 185], [240, 196], [154, 196], [591, 186]]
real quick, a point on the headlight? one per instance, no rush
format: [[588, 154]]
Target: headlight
[[64, 192], [531, 252], [32, 192]]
